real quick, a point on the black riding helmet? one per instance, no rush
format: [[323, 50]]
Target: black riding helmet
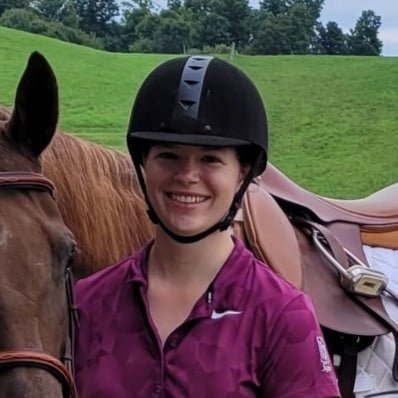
[[199, 101]]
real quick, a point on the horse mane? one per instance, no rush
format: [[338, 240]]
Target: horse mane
[[100, 201], [5, 113]]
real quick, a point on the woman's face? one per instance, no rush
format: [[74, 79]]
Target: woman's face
[[191, 188]]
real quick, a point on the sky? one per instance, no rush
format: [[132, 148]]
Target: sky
[[346, 13]]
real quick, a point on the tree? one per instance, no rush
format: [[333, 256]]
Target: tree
[[8, 4], [236, 14], [275, 7], [172, 33], [132, 17], [95, 15], [174, 5], [294, 22], [363, 40], [213, 29], [50, 9], [331, 40], [270, 37]]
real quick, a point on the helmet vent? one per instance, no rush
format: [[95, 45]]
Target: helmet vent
[[186, 104], [195, 67], [190, 87], [191, 82]]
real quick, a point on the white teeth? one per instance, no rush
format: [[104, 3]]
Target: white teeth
[[188, 199]]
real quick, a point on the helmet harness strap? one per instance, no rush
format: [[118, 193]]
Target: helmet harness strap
[[222, 225]]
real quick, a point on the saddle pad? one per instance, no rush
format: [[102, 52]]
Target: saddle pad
[[386, 261], [375, 362], [374, 367]]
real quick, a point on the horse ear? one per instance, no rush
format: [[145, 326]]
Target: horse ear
[[35, 115]]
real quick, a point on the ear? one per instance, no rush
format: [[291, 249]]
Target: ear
[[35, 115]]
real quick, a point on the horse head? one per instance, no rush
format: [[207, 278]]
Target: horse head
[[35, 246]]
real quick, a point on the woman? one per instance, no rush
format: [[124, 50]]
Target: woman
[[193, 314]]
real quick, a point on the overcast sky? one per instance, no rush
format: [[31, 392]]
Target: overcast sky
[[347, 12]]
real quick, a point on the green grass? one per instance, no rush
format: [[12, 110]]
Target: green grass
[[333, 121]]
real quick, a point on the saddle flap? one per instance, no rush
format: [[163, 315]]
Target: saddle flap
[[290, 253], [271, 235], [379, 209]]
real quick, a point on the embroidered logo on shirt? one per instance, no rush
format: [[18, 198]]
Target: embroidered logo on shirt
[[221, 314], [324, 355]]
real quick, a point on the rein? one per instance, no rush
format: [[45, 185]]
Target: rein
[[62, 371]]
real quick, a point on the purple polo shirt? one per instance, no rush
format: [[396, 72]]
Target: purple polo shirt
[[250, 335]]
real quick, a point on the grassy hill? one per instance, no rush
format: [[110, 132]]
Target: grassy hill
[[333, 121]]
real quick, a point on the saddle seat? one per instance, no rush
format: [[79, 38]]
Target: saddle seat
[[382, 203], [377, 214]]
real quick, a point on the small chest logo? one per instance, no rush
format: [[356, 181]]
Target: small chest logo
[[324, 355]]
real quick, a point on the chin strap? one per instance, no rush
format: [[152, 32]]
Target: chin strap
[[222, 225]]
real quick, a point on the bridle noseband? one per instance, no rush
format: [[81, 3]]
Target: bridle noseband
[[13, 358]]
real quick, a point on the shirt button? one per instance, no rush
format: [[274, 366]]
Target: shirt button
[[158, 388]]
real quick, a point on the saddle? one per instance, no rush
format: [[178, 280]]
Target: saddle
[[276, 220]]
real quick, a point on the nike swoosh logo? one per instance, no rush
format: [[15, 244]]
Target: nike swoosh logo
[[218, 315]]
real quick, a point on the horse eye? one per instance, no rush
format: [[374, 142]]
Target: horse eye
[[71, 255]]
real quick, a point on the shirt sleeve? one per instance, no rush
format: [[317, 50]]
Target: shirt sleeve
[[297, 364]]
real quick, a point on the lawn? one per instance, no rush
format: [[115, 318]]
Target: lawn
[[333, 121]]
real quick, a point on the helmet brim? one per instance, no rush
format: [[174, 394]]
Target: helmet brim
[[187, 139]]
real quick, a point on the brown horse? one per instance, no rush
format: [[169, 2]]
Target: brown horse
[[99, 199], [35, 247]]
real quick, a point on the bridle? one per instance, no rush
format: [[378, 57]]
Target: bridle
[[12, 358]]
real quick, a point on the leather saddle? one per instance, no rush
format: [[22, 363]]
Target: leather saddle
[[266, 223]]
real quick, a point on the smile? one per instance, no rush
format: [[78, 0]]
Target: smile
[[187, 198]]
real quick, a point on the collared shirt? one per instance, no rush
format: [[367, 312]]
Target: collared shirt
[[251, 334]]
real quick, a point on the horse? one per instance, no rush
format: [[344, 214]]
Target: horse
[[35, 248], [100, 201]]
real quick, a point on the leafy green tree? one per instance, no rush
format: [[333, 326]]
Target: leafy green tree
[[68, 15], [147, 26], [236, 14], [275, 7], [212, 29], [331, 40], [363, 39], [50, 9], [132, 17], [271, 37], [95, 15], [172, 34], [174, 5], [294, 24], [9, 4]]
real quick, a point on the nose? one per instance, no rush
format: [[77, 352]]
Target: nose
[[188, 171]]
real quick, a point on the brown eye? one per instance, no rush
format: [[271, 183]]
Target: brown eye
[[71, 255]]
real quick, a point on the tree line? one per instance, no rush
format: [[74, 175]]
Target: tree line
[[192, 26]]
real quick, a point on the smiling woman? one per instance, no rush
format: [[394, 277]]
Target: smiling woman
[[193, 313], [190, 186]]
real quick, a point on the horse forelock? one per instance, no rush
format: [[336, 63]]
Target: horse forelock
[[96, 187]]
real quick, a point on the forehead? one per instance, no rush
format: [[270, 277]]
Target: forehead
[[193, 148]]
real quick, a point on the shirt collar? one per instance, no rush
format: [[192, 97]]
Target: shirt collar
[[227, 289]]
